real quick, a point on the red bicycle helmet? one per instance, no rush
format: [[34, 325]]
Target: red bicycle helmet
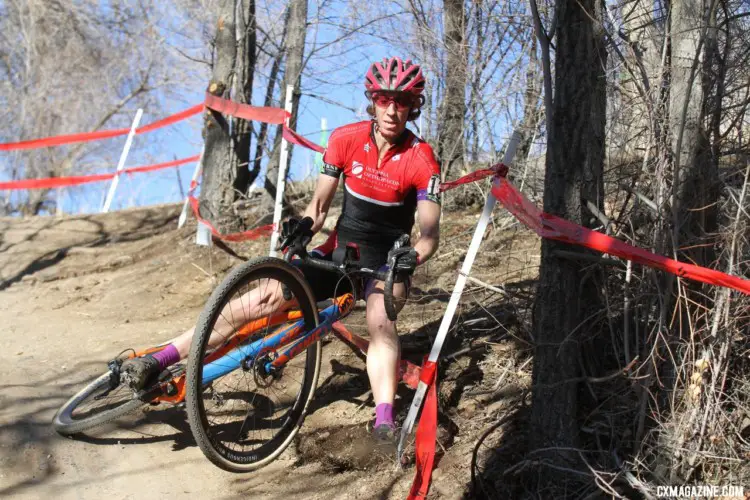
[[395, 75]]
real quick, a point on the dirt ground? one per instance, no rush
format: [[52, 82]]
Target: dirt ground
[[75, 291]]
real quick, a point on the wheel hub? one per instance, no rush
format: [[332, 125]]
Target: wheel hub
[[262, 375]]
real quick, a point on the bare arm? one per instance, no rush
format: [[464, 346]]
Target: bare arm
[[428, 213], [317, 210]]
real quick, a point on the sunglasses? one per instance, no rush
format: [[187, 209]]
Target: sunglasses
[[401, 101]]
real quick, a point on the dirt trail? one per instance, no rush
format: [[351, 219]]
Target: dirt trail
[[75, 291]]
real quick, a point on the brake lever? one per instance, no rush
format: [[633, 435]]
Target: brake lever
[[402, 241], [290, 251]]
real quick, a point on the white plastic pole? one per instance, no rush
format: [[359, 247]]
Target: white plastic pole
[[203, 235], [121, 163], [318, 157], [196, 174], [323, 138], [58, 202], [445, 324], [281, 182]]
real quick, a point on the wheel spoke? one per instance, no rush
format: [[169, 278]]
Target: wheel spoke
[[247, 415]]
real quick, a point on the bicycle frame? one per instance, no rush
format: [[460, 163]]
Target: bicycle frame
[[292, 339]]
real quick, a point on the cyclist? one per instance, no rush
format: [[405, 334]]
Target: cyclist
[[388, 173]]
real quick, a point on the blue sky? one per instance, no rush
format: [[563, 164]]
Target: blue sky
[[335, 72], [184, 139]]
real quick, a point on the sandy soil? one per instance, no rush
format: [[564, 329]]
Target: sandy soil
[[75, 291]]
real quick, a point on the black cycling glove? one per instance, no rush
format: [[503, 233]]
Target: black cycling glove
[[403, 260], [294, 230]]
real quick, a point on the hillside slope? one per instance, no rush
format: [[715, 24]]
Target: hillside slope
[[75, 291]]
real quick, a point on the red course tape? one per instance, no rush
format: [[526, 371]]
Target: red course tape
[[56, 182], [426, 434], [293, 137], [274, 116], [60, 140], [477, 175], [252, 234], [556, 228]]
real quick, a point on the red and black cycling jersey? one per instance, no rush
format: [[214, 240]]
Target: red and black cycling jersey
[[379, 199]]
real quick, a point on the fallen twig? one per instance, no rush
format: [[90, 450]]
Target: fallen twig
[[483, 284]]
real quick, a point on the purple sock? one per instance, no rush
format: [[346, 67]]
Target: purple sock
[[384, 415], [167, 356]]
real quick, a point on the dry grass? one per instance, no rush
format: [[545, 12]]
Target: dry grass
[[665, 389]]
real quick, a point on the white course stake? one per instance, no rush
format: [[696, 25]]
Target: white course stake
[[281, 182], [196, 174], [121, 163], [445, 324], [203, 235]]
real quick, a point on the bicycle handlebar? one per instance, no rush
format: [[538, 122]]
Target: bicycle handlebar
[[388, 276]]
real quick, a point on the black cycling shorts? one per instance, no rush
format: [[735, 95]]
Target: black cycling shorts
[[327, 284]]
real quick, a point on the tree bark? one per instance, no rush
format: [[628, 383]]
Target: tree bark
[[695, 187], [273, 78], [295, 51], [453, 107], [227, 148], [531, 104], [574, 166]]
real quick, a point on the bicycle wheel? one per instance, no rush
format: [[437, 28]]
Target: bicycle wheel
[[245, 419], [101, 401]]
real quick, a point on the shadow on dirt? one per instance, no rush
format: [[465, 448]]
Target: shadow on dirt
[[47, 260], [482, 324], [91, 232], [30, 445], [172, 416], [508, 467], [26, 431]]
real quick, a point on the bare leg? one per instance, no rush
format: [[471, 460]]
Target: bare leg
[[266, 299], [385, 349], [257, 303]]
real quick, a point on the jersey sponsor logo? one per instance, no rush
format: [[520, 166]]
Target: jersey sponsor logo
[[357, 169], [396, 158], [379, 179], [330, 170], [367, 147]]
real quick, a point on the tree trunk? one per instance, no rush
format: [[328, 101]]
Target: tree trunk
[[273, 77], [295, 51], [695, 188], [227, 148], [453, 108], [475, 94], [574, 168], [531, 104]]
